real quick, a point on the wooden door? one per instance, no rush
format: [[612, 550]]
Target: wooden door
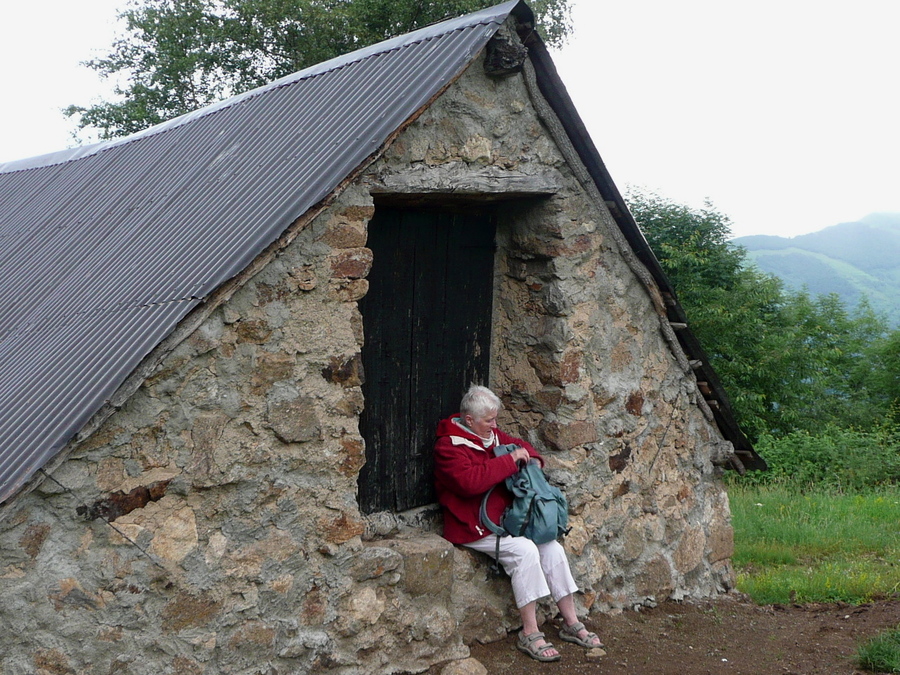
[[427, 323]]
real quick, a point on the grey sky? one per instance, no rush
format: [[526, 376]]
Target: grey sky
[[783, 113]]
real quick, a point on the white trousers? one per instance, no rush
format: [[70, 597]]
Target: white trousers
[[536, 570]]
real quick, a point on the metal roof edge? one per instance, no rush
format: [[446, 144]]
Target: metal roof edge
[[554, 91], [495, 15]]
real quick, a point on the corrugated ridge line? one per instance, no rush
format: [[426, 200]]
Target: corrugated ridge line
[[49, 359], [113, 219], [240, 213], [144, 227], [306, 166], [70, 416], [77, 400], [488, 16], [330, 169], [108, 191], [14, 192], [337, 169], [63, 195], [32, 279], [97, 260]]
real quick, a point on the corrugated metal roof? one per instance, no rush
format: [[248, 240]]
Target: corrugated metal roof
[[103, 250]]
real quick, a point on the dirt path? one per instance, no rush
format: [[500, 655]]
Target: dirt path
[[728, 636]]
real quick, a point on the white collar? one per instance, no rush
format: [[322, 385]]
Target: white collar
[[489, 442]]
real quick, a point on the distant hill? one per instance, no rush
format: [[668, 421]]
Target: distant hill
[[850, 259]]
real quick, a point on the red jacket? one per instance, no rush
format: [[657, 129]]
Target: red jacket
[[464, 470]]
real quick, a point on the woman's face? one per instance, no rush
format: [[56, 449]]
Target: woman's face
[[482, 425]]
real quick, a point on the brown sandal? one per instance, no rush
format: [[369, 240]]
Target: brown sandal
[[525, 644]]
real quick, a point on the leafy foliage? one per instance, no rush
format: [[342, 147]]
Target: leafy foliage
[[788, 361], [179, 55], [885, 367], [834, 458]]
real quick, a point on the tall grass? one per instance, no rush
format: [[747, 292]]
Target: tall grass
[[824, 524], [815, 546], [882, 653]]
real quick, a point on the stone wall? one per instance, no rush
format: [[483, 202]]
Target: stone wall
[[211, 526]]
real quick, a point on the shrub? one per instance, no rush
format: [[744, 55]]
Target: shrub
[[844, 459]]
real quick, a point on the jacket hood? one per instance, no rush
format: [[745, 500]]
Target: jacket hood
[[447, 427]]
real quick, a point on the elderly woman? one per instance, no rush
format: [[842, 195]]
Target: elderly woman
[[465, 469]]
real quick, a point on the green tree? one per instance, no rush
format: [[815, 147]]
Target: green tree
[[788, 361], [180, 55], [884, 376], [838, 385], [735, 311]]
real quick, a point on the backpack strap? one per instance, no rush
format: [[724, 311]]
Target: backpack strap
[[483, 514], [493, 527], [485, 518]]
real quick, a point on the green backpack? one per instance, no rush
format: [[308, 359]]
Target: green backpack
[[539, 510]]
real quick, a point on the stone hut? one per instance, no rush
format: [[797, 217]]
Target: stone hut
[[225, 343]]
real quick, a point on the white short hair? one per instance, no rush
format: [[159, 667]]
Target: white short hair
[[478, 402]]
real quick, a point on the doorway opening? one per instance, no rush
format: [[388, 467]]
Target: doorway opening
[[427, 323]]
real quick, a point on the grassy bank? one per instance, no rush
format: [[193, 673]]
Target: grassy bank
[[815, 546]]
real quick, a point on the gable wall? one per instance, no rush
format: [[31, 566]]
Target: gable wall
[[247, 553], [581, 359]]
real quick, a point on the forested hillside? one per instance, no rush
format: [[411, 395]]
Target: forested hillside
[[851, 259], [791, 362]]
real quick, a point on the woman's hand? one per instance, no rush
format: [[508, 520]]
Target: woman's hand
[[520, 455]]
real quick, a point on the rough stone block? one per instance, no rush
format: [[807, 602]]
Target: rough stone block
[[721, 539], [482, 602], [32, 540], [689, 554], [348, 290], [560, 436], [655, 580], [342, 529], [347, 372], [186, 611], [427, 564], [345, 236], [271, 368], [468, 666], [354, 455], [254, 331], [635, 403], [352, 263], [295, 420], [373, 562]]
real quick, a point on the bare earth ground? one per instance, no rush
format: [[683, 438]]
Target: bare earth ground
[[727, 636]]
